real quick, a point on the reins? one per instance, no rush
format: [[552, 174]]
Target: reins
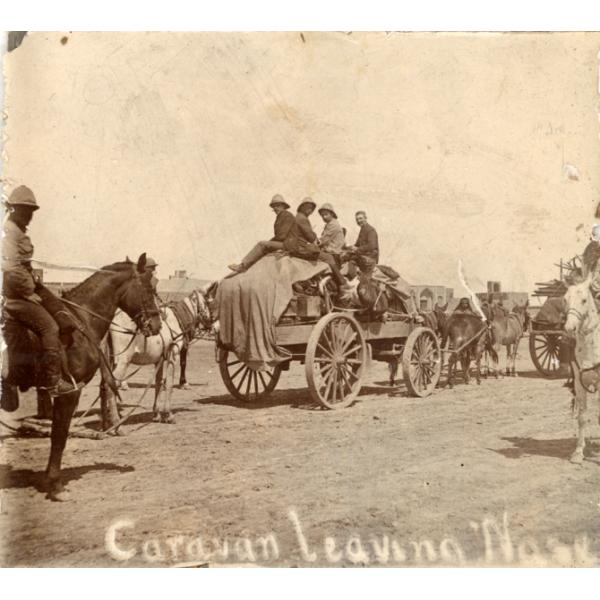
[[98, 316]]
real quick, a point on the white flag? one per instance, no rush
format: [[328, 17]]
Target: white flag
[[474, 298]]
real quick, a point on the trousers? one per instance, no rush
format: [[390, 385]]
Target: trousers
[[35, 317], [260, 250], [333, 265]]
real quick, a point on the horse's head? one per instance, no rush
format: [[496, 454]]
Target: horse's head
[[138, 299], [581, 307], [203, 302]]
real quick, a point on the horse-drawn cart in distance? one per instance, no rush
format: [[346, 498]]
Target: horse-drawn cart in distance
[[335, 344], [548, 353]]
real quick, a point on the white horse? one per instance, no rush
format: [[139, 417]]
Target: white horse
[[181, 321], [583, 322]]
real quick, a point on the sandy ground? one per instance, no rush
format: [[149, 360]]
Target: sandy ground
[[474, 475]]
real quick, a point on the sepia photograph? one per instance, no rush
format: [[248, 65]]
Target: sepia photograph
[[300, 299]]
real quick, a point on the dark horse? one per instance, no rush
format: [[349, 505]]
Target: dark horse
[[122, 285], [468, 337]]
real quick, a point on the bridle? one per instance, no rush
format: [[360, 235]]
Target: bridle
[[203, 320], [148, 308]]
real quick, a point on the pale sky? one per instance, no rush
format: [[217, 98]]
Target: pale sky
[[454, 144]]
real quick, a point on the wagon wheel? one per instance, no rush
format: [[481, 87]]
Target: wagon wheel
[[545, 353], [421, 362], [246, 384], [335, 360]]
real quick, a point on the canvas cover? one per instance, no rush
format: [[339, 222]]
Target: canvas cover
[[250, 304]]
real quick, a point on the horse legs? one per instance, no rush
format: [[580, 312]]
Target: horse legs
[[580, 403], [64, 407], [514, 358], [393, 367], [478, 354], [183, 384], [496, 360], [44, 404], [465, 360], [158, 390], [451, 368], [169, 377], [108, 402]]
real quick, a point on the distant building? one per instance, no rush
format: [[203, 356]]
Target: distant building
[[178, 286], [508, 300], [427, 296]]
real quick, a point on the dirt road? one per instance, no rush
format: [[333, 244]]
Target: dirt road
[[473, 475]]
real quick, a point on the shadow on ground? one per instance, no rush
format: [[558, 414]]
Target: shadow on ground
[[25, 478], [295, 398], [562, 448]]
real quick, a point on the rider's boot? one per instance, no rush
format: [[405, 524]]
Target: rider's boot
[[50, 375]]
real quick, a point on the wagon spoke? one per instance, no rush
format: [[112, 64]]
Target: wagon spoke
[[327, 339], [352, 351], [348, 341], [241, 383], [238, 372], [542, 356], [262, 379], [349, 371], [255, 384], [324, 371], [328, 352], [235, 362], [249, 383], [326, 378]]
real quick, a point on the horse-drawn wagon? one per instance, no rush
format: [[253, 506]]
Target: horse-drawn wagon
[[335, 344], [547, 328]]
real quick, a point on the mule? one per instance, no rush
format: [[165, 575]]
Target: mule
[[181, 322], [583, 322], [466, 336], [507, 331], [92, 305]]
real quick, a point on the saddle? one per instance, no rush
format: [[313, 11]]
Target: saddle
[[22, 356]]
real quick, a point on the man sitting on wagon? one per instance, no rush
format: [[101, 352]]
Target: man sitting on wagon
[[333, 236], [367, 243], [282, 227], [302, 242]]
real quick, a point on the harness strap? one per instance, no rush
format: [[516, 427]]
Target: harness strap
[[469, 341], [95, 314]]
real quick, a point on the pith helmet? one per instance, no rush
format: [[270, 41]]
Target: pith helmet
[[278, 199], [596, 233], [329, 208], [22, 196], [150, 262], [308, 201]]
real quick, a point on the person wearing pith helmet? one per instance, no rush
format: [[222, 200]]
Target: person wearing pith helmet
[[284, 222], [151, 266], [24, 297], [332, 238], [304, 243]]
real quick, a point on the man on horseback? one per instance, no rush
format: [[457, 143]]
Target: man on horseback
[[24, 298]]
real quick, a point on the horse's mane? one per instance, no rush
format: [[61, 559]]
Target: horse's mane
[[88, 286]]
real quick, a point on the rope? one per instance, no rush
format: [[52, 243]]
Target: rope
[[58, 267], [472, 339], [133, 409], [95, 314]]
